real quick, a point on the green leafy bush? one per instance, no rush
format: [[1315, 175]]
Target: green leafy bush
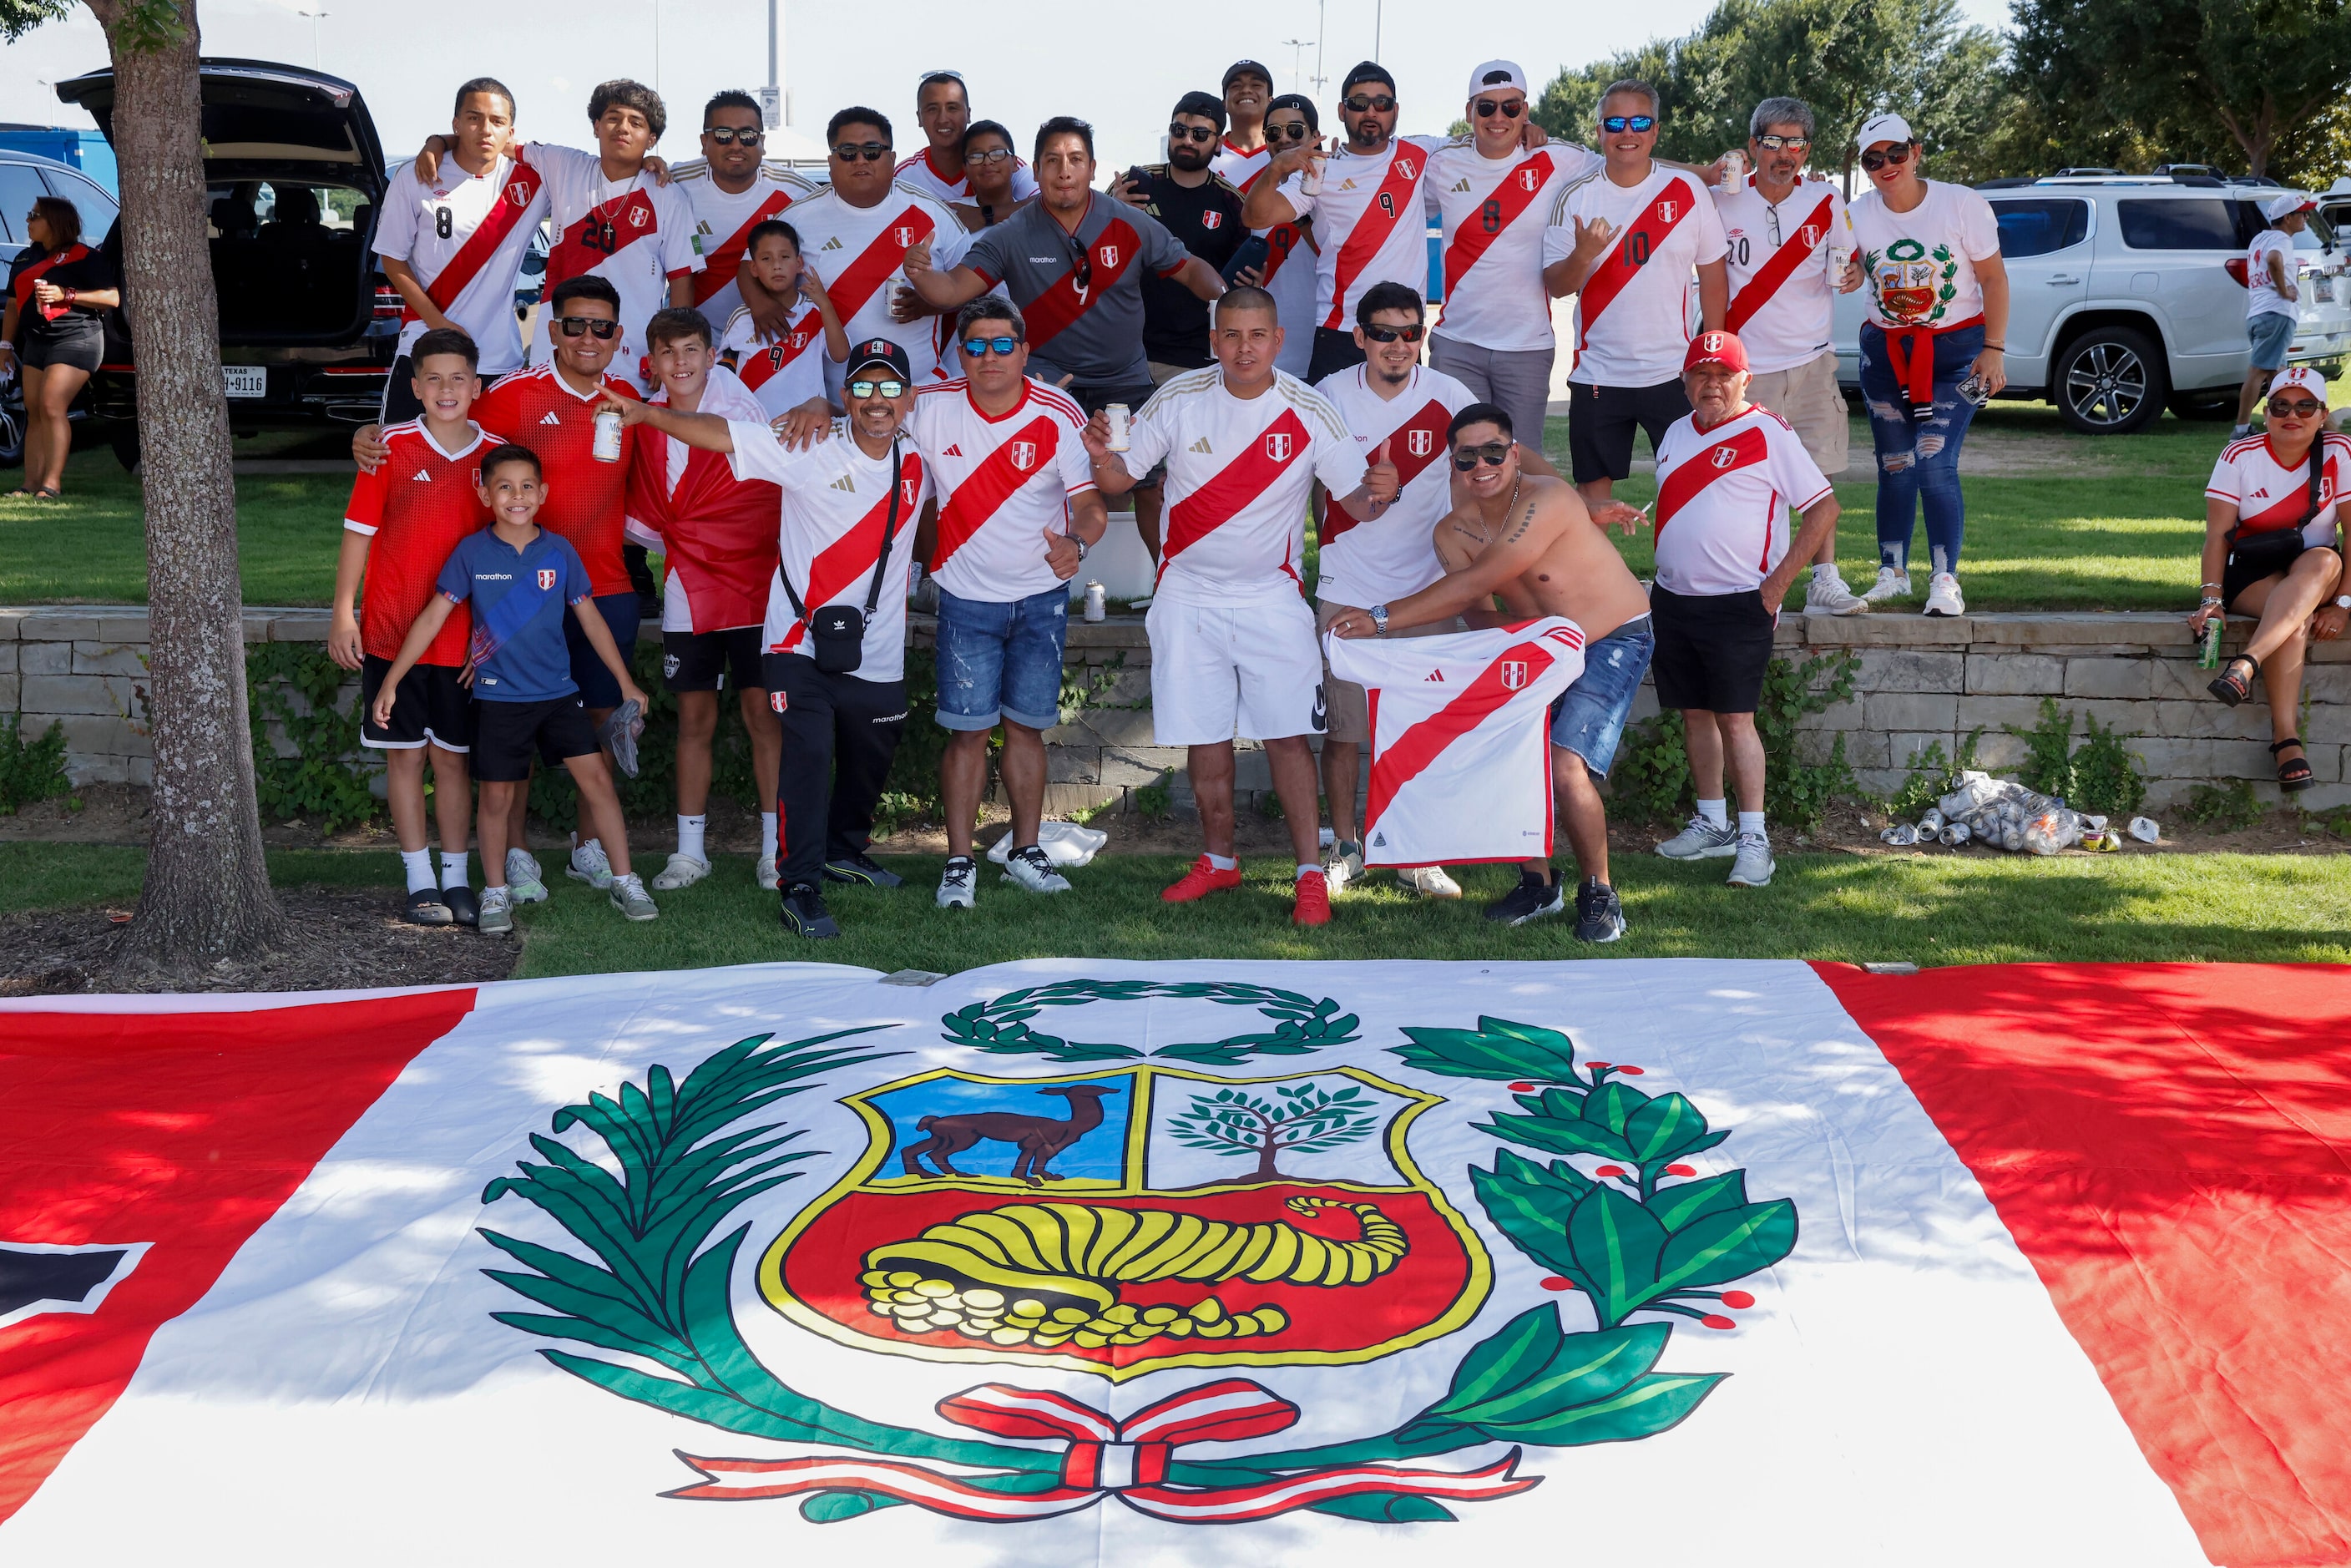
[[1931, 777], [30, 771], [296, 687], [1157, 802], [2102, 775], [2225, 808], [1651, 780]]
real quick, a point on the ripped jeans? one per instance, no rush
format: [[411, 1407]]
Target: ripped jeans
[[1919, 459]]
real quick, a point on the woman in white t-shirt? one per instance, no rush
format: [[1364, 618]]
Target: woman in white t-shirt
[[1938, 296]]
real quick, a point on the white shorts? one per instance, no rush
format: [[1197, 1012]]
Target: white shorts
[[1252, 669]]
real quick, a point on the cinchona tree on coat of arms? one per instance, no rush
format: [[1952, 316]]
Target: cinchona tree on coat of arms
[[1099, 1224]]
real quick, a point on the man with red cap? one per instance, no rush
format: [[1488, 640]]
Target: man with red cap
[[1728, 473]]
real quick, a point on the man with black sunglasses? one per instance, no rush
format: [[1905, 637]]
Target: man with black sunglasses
[[1280, 259], [733, 190], [1199, 209]]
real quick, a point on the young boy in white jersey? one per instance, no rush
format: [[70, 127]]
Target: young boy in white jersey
[[784, 369]]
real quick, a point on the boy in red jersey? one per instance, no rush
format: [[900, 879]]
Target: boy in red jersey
[[405, 516]]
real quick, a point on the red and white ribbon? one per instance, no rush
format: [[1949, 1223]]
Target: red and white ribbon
[[1126, 1459]]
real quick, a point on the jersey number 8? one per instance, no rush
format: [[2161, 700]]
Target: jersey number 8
[[443, 223], [1491, 216]]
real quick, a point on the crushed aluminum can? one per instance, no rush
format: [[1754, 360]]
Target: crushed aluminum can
[[1901, 835], [1954, 834], [2094, 823], [1932, 822], [2144, 829], [2102, 844]]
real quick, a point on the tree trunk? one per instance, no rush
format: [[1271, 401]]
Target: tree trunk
[[207, 894]]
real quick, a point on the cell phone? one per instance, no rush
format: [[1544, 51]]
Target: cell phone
[[1252, 253], [1137, 178]]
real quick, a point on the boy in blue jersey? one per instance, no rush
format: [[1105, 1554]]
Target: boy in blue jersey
[[519, 578]]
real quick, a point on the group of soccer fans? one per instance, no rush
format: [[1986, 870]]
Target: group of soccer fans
[[1256, 305]]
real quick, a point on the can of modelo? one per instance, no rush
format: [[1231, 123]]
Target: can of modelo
[[1114, 421], [1734, 171], [607, 447]]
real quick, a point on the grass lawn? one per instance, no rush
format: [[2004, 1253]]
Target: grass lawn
[[1941, 909]]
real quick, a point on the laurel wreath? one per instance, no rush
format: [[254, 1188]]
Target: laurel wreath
[[1000, 1028]]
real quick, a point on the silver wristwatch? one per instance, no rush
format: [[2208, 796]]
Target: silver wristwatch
[[1081, 543], [2343, 601], [1379, 615]]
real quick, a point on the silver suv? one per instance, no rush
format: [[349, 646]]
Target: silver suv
[[2127, 295]]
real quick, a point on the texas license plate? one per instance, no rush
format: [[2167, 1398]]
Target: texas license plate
[[245, 381]]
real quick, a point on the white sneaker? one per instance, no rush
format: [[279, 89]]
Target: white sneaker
[[1032, 869], [525, 882], [1430, 882], [1828, 595], [590, 864], [1890, 584], [1339, 870], [1701, 840], [1943, 595], [628, 897], [768, 878], [682, 871], [955, 891], [1754, 866]]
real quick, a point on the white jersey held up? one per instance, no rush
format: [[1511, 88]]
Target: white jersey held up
[[634, 233], [1633, 313], [1461, 739], [1494, 212], [723, 221], [1002, 481], [1378, 560], [783, 372], [465, 236], [860, 253], [1784, 261], [1723, 498], [1371, 218], [1289, 269]]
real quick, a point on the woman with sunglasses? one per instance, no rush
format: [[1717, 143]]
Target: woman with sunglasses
[[1283, 264], [1933, 351], [2273, 553], [50, 335]]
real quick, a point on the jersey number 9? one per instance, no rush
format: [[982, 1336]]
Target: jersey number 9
[[1388, 204]]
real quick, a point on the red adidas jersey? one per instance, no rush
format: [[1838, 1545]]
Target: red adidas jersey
[[414, 508], [585, 500], [1003, 480], [2269, 496], [1723, 496]]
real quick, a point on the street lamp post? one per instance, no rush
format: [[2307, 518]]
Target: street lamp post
[[1297, 58], [316, 17]]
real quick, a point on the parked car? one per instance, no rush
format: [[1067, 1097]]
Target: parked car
[[295, 176], [2123, 300], [25, 178]]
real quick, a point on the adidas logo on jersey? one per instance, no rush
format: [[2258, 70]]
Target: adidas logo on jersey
[[1464, 185], [845, 482], [1201, 446], [1437, 675], [549, 418], [422, 477], [832, 244], [953, 451]]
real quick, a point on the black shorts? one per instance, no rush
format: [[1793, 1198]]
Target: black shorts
[[2236, 577], [598, 689], [1334, 350], [75, 341], [429, 707], [700, 661], [1600, 423], [399, 404], [1712, 649], [506, 733]]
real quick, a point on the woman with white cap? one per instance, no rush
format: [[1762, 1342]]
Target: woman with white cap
[[2273, 299], [1932, 352], [2274, 553]]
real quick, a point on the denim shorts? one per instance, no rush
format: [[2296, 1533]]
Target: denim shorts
[[2272, 333], [1589, 717], [1001, 660]]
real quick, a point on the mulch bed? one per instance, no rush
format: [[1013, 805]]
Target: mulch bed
[[349, 939]]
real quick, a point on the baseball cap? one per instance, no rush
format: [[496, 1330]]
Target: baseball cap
[[1880, 127], [1206, 105], [1245, 67], [1715, 349], [878, 351], [1367, 70], [2286, 206], [1494, 74], [2301, 376]]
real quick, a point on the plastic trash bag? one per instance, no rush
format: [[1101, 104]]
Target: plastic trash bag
[[1064, 844]]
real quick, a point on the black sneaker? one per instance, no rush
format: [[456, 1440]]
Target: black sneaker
[[1599, 916], [861, 869], [462, 905], [805, 914], [1531, 900], [425, 908]]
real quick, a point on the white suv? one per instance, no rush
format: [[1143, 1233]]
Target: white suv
[[2124, 300]]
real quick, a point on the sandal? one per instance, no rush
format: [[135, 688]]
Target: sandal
[[2293, 773], [2232, 687]]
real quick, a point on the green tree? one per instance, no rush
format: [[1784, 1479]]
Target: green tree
[[1306, 1119]]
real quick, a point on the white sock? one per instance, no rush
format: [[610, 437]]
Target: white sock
[[1223, 863], [579, 843], [1823, 570], [689, 836], [1716, 812], [1752, 823], [418, 864], [453, 868], [767, 835], [1303, 868]]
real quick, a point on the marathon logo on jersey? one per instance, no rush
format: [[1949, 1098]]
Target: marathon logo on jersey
[[547, 580], [1420, 442], [1277, 445], [1024, 455], [1212, 219], [1723, 457], [1514, 674]]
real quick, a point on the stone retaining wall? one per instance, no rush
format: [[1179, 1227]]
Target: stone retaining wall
[[1919, 681]]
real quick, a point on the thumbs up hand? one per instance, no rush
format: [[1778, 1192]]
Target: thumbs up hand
[[1382, 480]]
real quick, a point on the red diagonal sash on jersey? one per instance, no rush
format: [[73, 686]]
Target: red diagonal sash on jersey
[[1240, 482], [993, 482], [1513, 196], [1412, 752], [763, 361], [1412, 447], [719, 266], [851, 558], [1398, 195], [1793, 252], [577, 249], [522, 185], [1608, 280], [1111, 253], [1742, 449], [860, 279]]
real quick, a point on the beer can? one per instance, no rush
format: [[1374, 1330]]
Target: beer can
[[607, 448], [1734, 169], [1115, 416], [1097, 601], [2207, 650]]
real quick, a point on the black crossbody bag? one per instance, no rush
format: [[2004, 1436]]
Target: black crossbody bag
[[837, 631], [2275, 549]]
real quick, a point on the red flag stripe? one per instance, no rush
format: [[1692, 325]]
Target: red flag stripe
[[1512, 197], [1240, 482], [1693, 474], [719, 266], [1431, 420], [1058, 308], [1421, 745], [1610, 278], [1397, 197], [1793, 254], [872, 269], [522, 185], [993, 482]]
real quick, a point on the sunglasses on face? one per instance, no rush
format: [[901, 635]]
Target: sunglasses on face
[[990, 157], [1390, 334], [573, 326], [2299, 408], [877, 389], [1201, 133], [1615, 124], [1365, 102], [1783, 143], [730, 135], [1874, 161], [980, 348], [1494, 455], [1295, 131], [1510, 109], [872, 152]]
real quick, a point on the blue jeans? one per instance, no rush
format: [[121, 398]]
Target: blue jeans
[[1001, 660], [1589, 717], [1919, 459]]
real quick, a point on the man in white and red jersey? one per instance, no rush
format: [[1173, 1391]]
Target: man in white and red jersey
[[1232, 642], [1791, 252], [1729, 471], [717, 535], [1391, 403], [732, 191], [846, 542], [1625, 242], [453, 245], [404, 517], [1018, 511], [1280, 259], [785, 369], [857, 233], [943, 109]]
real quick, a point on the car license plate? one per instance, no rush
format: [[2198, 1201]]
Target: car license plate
[[245, 381]]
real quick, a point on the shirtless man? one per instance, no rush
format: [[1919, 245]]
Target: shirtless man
[[1528, 542]]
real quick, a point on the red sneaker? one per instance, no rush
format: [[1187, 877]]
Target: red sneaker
[[1202, 880], [1313, 905]]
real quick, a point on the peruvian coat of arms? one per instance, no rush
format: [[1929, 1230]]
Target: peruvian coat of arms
[[1913, 286], [1195, 1211]]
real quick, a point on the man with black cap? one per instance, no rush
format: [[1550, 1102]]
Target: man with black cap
[[836, 630]]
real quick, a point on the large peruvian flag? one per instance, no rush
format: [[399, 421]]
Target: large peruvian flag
[[1653, 1262]]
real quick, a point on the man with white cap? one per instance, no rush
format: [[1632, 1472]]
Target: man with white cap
[[2271, 295]]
